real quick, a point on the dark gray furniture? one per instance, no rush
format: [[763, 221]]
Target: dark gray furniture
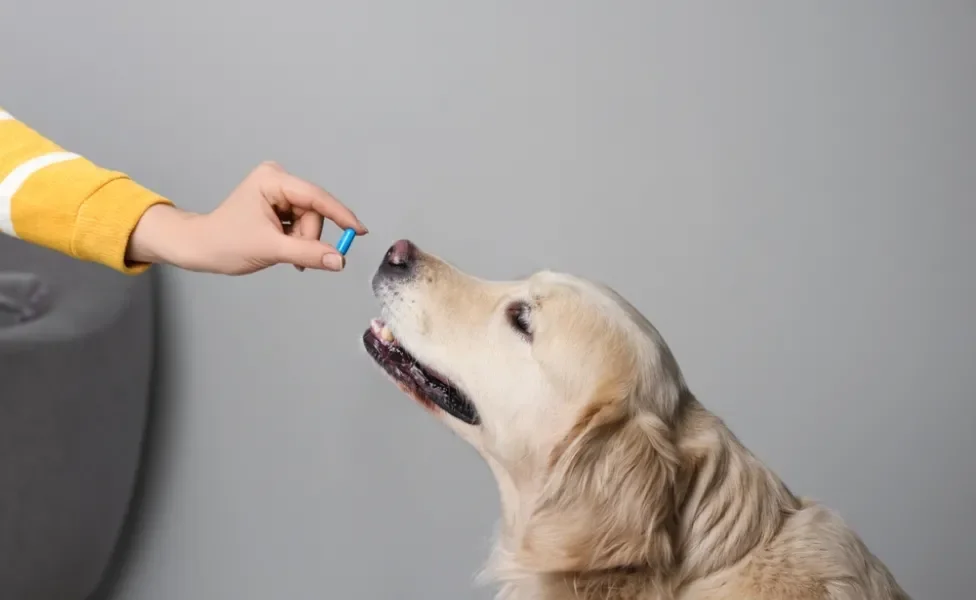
[[76, 343]]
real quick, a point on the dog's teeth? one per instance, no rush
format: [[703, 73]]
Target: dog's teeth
[[376, 326], [386, 335]]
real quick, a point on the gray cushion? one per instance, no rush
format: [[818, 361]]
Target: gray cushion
[[76, 344]]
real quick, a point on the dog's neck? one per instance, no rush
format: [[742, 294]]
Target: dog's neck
[[729, 504], [733, 502]]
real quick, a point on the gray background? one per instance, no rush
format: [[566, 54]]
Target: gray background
[[788, 193]]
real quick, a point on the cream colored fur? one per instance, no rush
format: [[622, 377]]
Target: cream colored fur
[[615, 482]]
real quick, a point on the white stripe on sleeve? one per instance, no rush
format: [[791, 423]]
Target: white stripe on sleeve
[[13, 182]]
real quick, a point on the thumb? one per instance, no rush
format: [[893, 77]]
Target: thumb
[[310, 254]]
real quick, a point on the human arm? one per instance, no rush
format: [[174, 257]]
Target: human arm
[[62, 201]]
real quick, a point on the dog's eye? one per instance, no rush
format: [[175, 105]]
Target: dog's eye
[[519, 317]]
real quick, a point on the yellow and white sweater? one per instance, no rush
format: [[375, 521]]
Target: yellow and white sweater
[[62, 201]]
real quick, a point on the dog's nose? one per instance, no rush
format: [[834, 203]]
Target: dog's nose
[[401, 254], [400, 258]]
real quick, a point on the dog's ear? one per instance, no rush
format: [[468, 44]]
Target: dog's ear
[[610, 500]]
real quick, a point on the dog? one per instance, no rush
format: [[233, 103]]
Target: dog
[[615, 482]]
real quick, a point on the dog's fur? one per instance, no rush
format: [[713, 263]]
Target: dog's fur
[[615, 482]]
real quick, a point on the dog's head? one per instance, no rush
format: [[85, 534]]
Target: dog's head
[[563, 387]]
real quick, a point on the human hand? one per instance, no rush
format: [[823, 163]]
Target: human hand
[[246, 232]]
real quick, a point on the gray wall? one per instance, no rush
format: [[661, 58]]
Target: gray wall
[[787, 192]]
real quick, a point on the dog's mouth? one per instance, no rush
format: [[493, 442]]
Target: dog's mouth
[[417, 380]]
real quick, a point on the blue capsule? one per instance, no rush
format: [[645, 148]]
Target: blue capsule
[[345, 241]]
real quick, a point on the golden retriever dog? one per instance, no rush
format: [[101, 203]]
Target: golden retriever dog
[[615, 482]]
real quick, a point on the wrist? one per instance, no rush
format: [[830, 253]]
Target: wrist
[[162, 236]]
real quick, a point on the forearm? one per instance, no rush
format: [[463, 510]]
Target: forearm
[[62, 201], [164, 235]]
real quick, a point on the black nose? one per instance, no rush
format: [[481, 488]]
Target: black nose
[[400, 258]]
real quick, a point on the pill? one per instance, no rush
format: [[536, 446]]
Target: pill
[[345, 241]]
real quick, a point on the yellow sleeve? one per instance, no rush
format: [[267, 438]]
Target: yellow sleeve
[[62, 201]]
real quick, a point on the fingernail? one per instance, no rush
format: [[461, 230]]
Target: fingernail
[[333, 262]]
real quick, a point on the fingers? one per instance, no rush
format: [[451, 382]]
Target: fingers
[[309, 205], [310, 226], [307, 227], [308, 254], [281, 185]]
